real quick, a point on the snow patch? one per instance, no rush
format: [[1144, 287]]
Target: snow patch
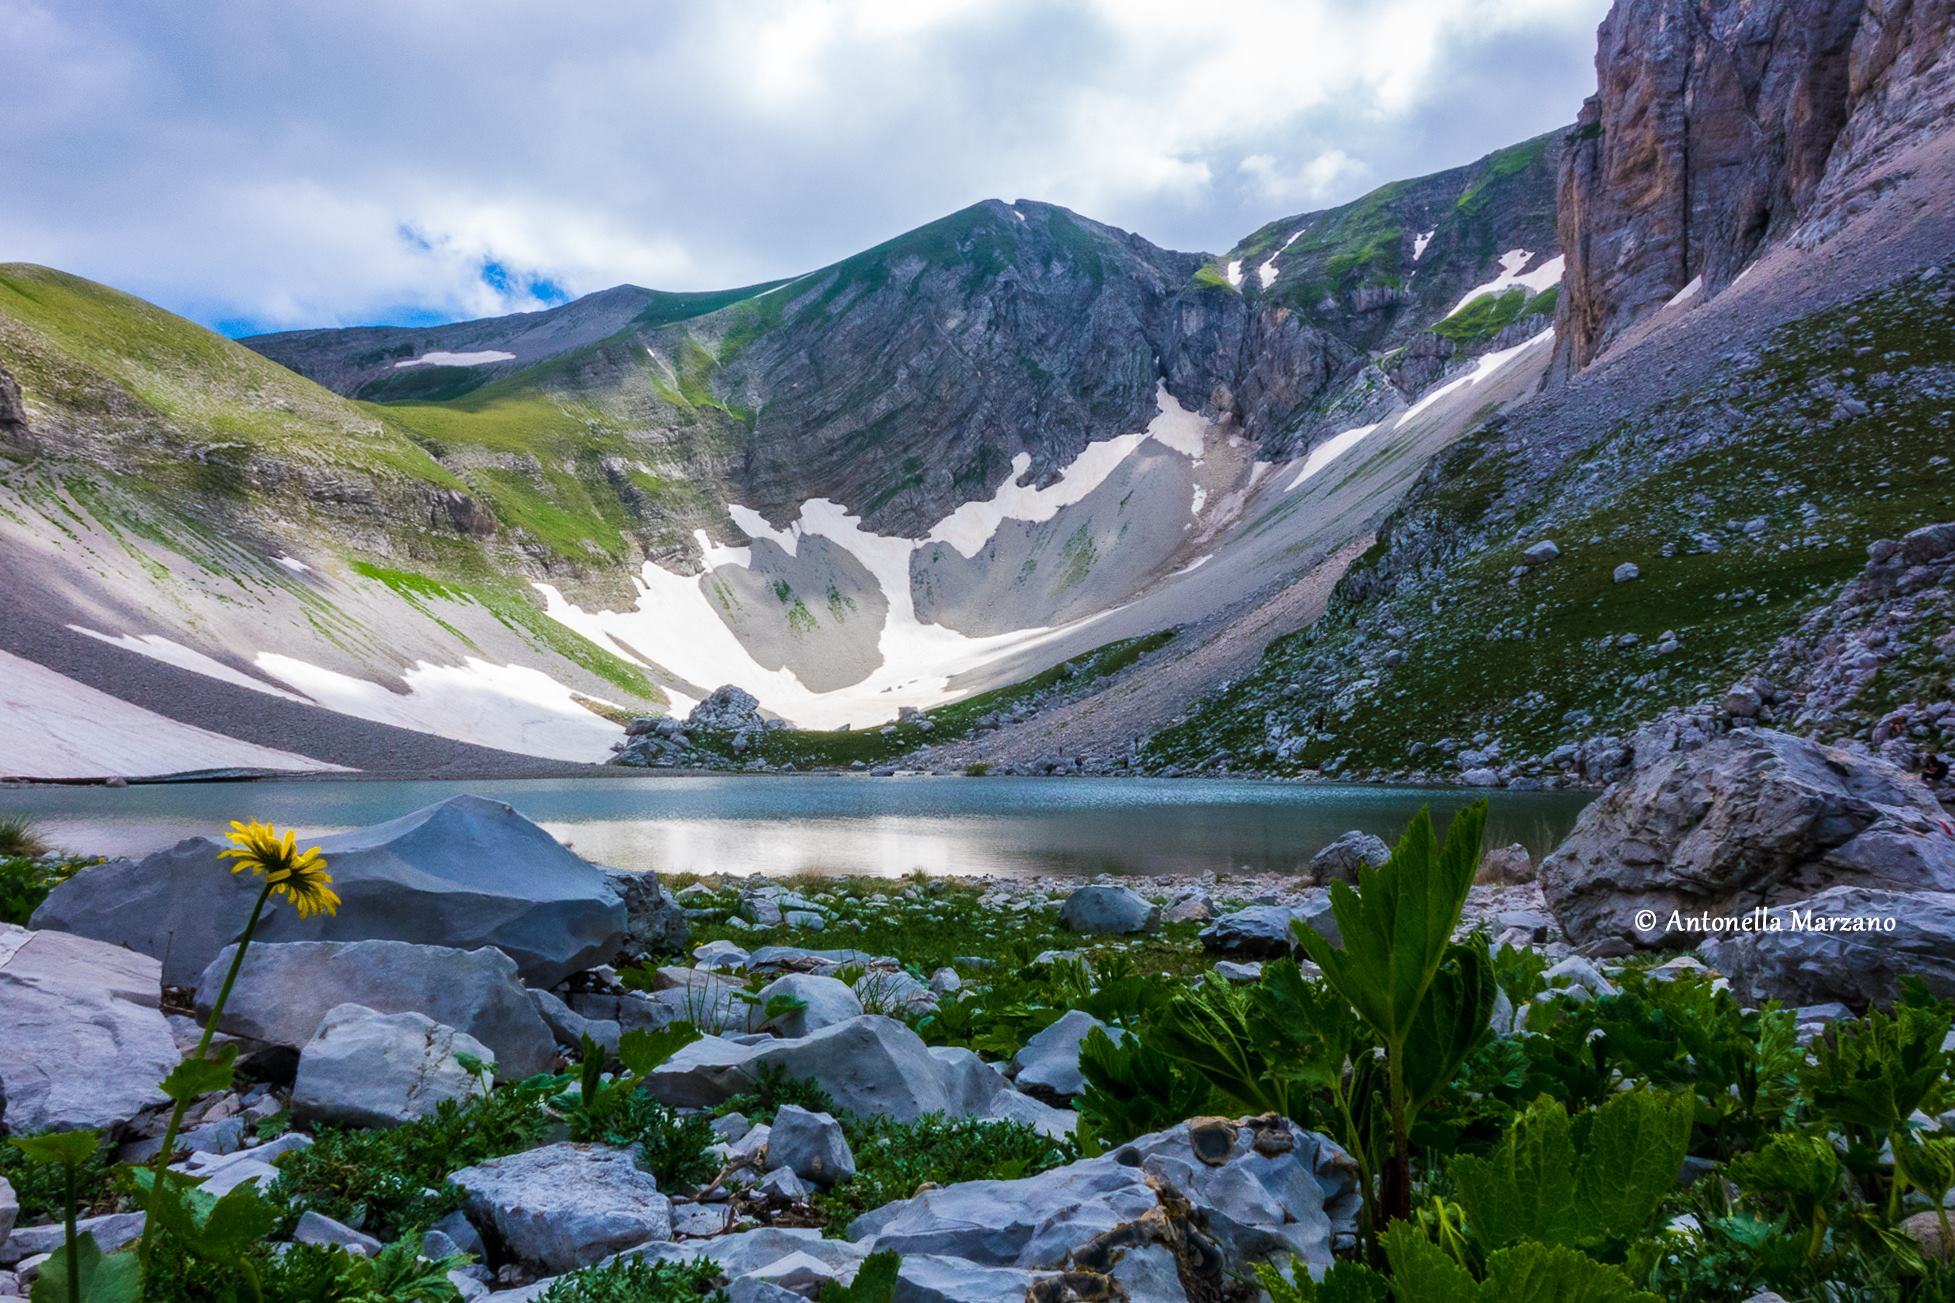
[[1511, 276], [1266, 274], [1485, 365], [509, 707], [52, 726], [1419, 243], [1329, 451], [482, 358], [1689, 291], [1234, 272], [293, 564]]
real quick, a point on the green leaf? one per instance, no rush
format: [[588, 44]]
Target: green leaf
[[1451, 1022], [1635, 1145], [1207, 1028], [194, 1077], [1303, 1024], [1344, 1282], [1421, 1271], [1525, 1188], [102, 1278], [875, 1281], [1876, 1071], [640, 1051], [1552, 1273], [62, 1148], [1132, 1089], [236, 1222]]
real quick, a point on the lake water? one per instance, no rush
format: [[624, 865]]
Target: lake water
[[834, 825]]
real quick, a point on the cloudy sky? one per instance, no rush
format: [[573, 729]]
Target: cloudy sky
[[260, 166]]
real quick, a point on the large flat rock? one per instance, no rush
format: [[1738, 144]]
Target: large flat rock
[[83, 1042], [466, 872]]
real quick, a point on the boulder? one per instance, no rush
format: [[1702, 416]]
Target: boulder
[[1754, 818], [1263, 931], [1341, 860], [747, 1253], [570, 1027], [868, 1065], [1506, 866], [825, 1002], [566, 1205], [655, 921], [467, 872], [317, 1228], [1099, 910], [369, 1069], [893, 991], [1265, 1188], [285, 990], [729, 709], [82, 1039], [1047, 1065], [9, 1209], [931, 1278], [811, 1145], [1788, 958]]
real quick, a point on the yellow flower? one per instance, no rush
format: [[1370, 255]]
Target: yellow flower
[[298, 875]]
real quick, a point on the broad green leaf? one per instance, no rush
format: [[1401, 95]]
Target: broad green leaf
[[1344, 1282], [1552, 1273], [875, 1281], [1525, 1188], [1636, 1144], [1421, 1271], [1451, 1022], [1876, 1071], [194, 1077], [103, 1278], [1206, 1027], [61, 1148], [640, 1051], [1928, 1164], [238, 1220], [1301, 1023]]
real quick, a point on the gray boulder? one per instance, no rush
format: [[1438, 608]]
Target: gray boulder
[[931, 1278], [82, 1039], [1267, 1189], [9, 1209], [867, 1065], [811, 1145], [369, 1069], [570, 1027], [1802, 962], [1753, 818], [1099, 909], [1048, 1063], [1506, 866], [565, 1206], [729, 708], [655, 921], [1264, 932], [1341, 860], [467, 872], [285, 990], [825, 1002], [894, 992]]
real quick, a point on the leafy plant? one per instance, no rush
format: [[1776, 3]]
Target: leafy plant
[[17, 837], [1525, 1273], [875, 1281], [639, 1280], [1870, 1075], [1132, 1089], [772, 1088], [1801, 1171], [1426, 999], [1207, 1028], [893, 1159], [1344, 1282], [78, 1271], [1591, 1183]]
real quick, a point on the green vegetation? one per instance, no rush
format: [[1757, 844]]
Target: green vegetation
[[895, 1159], [1500, 164], [17, 837], [1489, 314], [639, 1280], [820, 747], [26, 881], [1766, 439]]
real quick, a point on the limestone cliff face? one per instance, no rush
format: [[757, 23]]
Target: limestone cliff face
[[1717, 128]]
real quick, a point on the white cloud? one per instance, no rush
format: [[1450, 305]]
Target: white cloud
[[261, 162]]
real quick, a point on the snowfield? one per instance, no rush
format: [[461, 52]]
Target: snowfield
[[438, 358]]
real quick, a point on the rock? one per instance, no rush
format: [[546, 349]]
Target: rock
[[1098, 910], [1743, 702], [1341, 860], [655, 922], [1481, 777], [1785, 961], [867, 1065], [566, 1206], [945, 981], [465, 873], [369, 1069], [1577, 972], [931, 1278], [1925, 1229], [1265, 1187], [721, 955], [894, 992], [780, 1186], [1192, 908], [728, 709], [1047, 1065], [1627, 572], [1239, 974], [1752, 818], [1541, 553], [82, 1039], [754, 1252], [111, 1231], [317, 1228], [1506, 866], [570, 1027], [9, 1209], [811, 1145], [1263, 931], [284, 990], [825, 1001]]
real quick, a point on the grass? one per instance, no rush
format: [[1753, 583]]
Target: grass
[[1671, 492], [870, 746], [1489, 314], [1500, 164], [17, 837]]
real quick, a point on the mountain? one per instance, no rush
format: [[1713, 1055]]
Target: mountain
[[1470, 478], [1754, 378]]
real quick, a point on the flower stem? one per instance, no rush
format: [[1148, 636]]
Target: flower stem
[[74, 1240], [168, 1151]]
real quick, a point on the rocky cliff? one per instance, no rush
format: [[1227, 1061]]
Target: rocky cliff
[[1718, 128]]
